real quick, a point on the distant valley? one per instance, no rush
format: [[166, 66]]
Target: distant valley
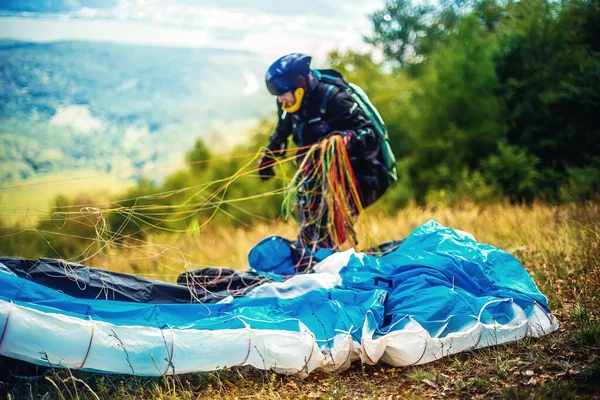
[[73, 106]]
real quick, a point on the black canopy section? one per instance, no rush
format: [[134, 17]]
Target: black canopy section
[[92, 283], [206, 285]]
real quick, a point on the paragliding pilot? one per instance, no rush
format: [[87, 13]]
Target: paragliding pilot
[[317, 106]]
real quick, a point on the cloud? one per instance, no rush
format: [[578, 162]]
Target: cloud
[[261, 26], [133, 136], [251, 83], [77, 117], [126, 85]]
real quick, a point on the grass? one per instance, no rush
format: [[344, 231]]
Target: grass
[[559, 246]]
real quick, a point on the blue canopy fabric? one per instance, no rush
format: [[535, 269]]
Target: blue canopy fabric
[[440, 272], [439, 285]]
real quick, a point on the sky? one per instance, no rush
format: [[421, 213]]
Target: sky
[[265, 27]]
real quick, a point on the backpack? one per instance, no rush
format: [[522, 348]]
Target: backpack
[[362, 100]]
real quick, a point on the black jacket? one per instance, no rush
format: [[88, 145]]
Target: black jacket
[[328, 109]]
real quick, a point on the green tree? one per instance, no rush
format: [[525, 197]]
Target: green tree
[[198, 157], [459, 123], [408, 32], [512, 171], [131, 215], [18, 241], [74, 230], [549, 71], [390, 92]]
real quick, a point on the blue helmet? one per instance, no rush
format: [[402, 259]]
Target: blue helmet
[[288, 73]]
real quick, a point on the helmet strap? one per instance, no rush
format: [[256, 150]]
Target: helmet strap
[[298, 94]]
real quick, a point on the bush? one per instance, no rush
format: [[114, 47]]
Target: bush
[[512, 171]]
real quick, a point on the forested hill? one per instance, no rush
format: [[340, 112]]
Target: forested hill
[[106, 106]]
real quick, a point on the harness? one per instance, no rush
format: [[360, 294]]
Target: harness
[[335, 80]]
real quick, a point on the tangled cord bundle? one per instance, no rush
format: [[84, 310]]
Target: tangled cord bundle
[[325, 194]]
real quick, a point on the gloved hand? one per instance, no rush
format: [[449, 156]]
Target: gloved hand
[[265, 166], [347, 137]]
